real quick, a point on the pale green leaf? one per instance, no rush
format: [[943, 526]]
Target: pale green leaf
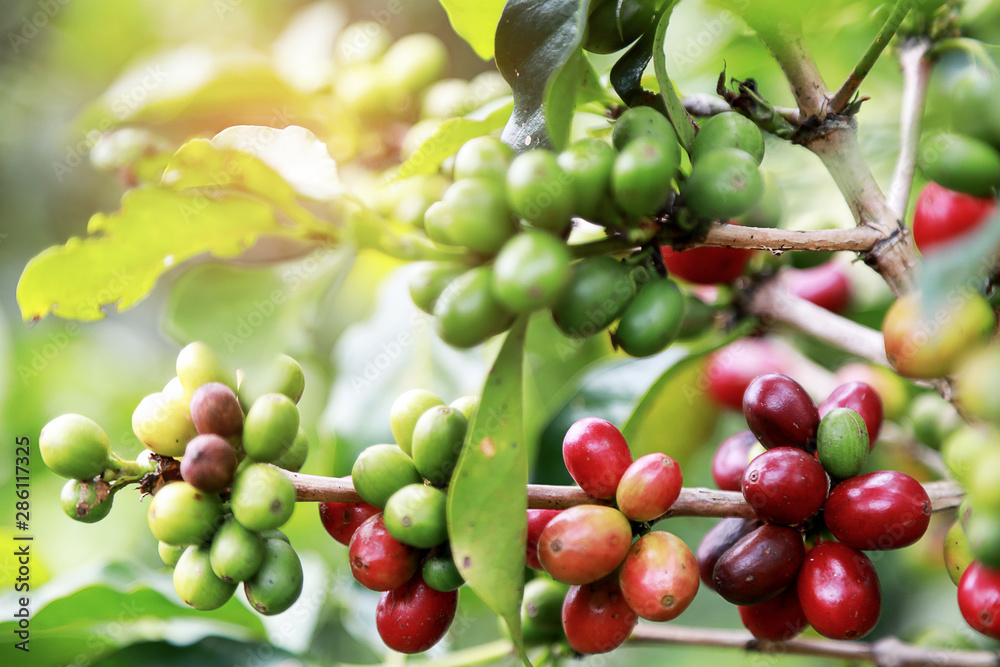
[[475, 21]]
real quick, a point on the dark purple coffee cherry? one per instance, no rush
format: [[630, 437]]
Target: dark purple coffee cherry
[[780, 412], [215, 409], [209, 463], [760, 565]]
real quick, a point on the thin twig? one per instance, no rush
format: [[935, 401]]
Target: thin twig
[[916, 68], [856, 239]]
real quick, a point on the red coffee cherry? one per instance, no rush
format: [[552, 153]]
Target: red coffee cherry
[[839, 591], [537, 520], [414, 617], [649, 487], [878, 511], [979, 599], [596, 456], [730, 460], [718, 541], [379, 561], [785, 485], [760, 565], [596, 618], [863, 399], [659, 577], [780, 412], [341, 520], [779, 619], [730, 369], [707, 266], [942, 215], [825, 285], [584, 543], [209, 463]]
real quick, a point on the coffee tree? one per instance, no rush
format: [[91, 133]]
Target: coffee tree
[[578, 207]]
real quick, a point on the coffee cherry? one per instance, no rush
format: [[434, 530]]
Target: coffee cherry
[[785, 485], [731, 369], [270, 428], [649, 487], [440, 572], [961, 163], [977, 385], [539, 190], [699, 317], [723, 184], [294, 457], [964, 448], [415, 515], [74, 447], [236, 552], [652, 321], [472, 312], [216, 410], [406, 410], [429, 280], [839, 591], [483, 157], [584, 543], [262, 498], [596, 618], [163, 424], [957, 554], [718, 541], [541, 611], [278, 583], [282, 376], [842, 443], [341, 520], [437, 443], [531, 271], [643, 122], [181, 515], [596, 455], [729, 130], [659, 577], [982, 532], [759, 566], [892, 390], [825, 285], [537, 521], [706, 266], [467, 405], [196, 583], [780, 412], [641, 175], [979, 599], [414, 62], [380, 471], [598, 292], [975, 96], [778, 619], [86, 501], [209, 463], [478, 216], [730, 460], [169, 554], [942, 215], [197, 364], [878, 511], [588, 164], [982, 482], [861, 397], [414, 617], [379, 561]]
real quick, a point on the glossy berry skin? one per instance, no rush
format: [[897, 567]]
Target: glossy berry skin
[[863, 399], [780, 412], [839, 591], [659, 577], [584, 543], [181, 514], [341, 519], [642, 174], [414, 617], [380, 471], [74, 447], [729, 130], [471, 313], [718, 541], [416, 515], [196, 583], [723, 184], [760, 565], [730, 460], [706, 266], [596, 455], [270, 427], [878, 511], [779, 619], [598, 293], [216, 409], [731, 369], [278, 583], [653, 320], [825, 285], [537, 520], [596, 618], [979, 599], [262, 498], [842, 444], [649, 487], [209, 462], [539, 190], [531, 271], [785, 485], [541, 611], [942, 215], [379, 561]]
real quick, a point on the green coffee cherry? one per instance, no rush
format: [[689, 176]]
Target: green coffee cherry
[[729, 130], [283, 375], [653, 319], [933, 418], [163, 424], [961, 163], [540, 191], [964, 448], [642, 174], [278, 582], [982, 487], [262, 498], [380, 471], [588, 164], [437, 443], [405, 412], [982, 530], [531, 271], [86, 501], [74, 447], [438, 223], [270, 427], [598, 293], [723, 184], [236, 552], [644, 122], [196, 583], [477, 217], [483, 157], [842, 443], [541, 611], [414, 62], [467, 405], [440, 573], [769, 211], [415, 515], [471, 313], [698, 317], [957, 555], [181, 515], [429, 280], [294, 457], [169, 554], [197, 364]]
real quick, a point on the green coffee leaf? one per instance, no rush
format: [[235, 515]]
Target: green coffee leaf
[[679, 118], [487, 501], [962, 264], [475, 21], [626, 74]]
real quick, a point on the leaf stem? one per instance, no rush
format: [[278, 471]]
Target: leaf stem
[[916, 67]]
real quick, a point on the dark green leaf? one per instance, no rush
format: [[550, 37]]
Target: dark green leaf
[[626, 74], [675, 108]]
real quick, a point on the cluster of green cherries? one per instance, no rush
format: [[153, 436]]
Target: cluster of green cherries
[[216, 512], [512, 215]]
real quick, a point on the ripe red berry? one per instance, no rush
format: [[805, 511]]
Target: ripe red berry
[[779, 619], [785, 485], [730, 460], [942, 215], [730, 369], [414, 617], [878, 511], [979, 599], [584, 543], [863, 399], [596, 618], [825, 285], [839, 591], [705, 265], [760, 565], [596, 456], [341, 519], [659, 577], [649, 487], [718, 541], [780, 412], [537, 520], [379, 561]]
